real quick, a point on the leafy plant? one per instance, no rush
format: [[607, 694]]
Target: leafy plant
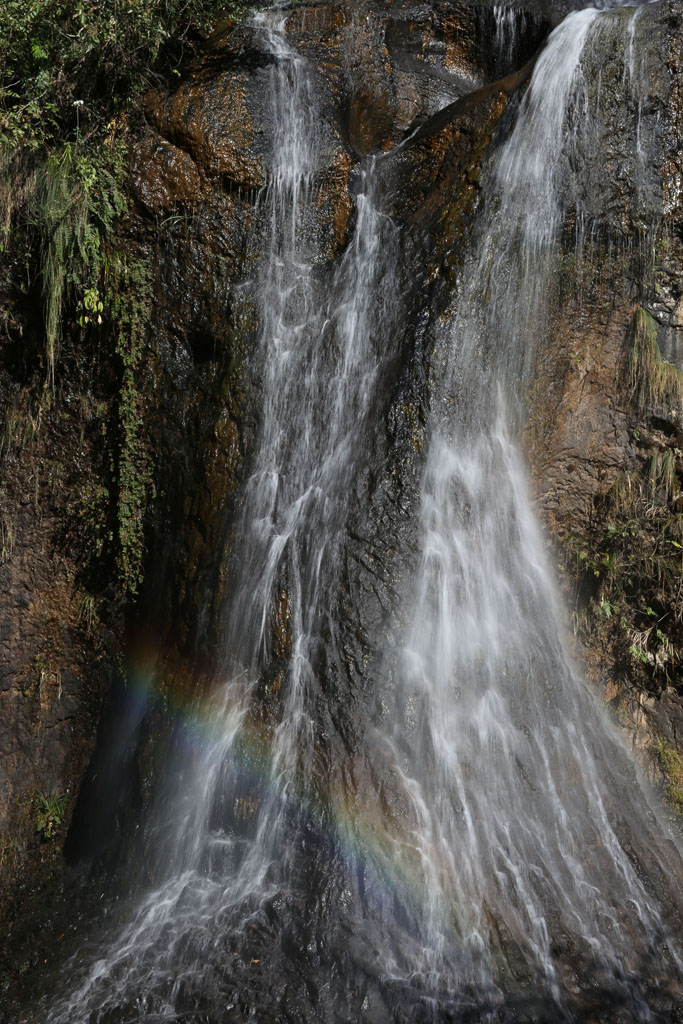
[[628, 575], [68, 67], [73, 203], [50, 813]]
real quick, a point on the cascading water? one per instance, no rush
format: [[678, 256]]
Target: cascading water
[[513, 776], [526, 855], [321, 348], [510, 23]]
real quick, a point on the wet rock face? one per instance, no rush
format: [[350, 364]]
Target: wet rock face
[[602, 424], [197, 176], [198, 171], [59, 630], [630, 259], [51, 695]]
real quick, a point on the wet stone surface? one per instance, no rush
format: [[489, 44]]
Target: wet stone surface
[[315, 949]]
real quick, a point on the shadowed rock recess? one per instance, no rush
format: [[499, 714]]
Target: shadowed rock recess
[[394, 729]]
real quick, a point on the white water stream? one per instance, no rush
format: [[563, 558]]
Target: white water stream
[[321, 345], [512, 770]]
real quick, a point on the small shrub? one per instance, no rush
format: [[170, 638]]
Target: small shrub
[[50, 813], [627, 575], [72, 203]]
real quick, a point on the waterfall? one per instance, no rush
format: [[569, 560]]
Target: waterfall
[[528, 853], [526, 811], [321, 346]]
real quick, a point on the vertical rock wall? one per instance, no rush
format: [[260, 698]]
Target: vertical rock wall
[[600, 438]]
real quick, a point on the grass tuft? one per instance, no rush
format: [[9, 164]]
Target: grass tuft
[[654, 381]]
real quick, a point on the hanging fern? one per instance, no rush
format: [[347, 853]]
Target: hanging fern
[[653, 380]]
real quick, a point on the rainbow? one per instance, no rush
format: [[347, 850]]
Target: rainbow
[[349, 817]]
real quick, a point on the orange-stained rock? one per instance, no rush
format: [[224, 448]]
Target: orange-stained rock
[[371, 120], [334, 204], [163, 176], [211, 121]]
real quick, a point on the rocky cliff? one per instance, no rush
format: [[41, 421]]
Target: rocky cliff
[[93, 682]]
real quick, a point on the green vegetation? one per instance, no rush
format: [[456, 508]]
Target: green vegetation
[[627, 576], [69, 68], [71, 75], [653, 380], [87, 612], [627, 581], [50, 813], [73, 201], [662, 475], [628, 571], [671, 765], [135, 476]]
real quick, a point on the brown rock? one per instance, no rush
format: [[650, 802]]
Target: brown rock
[[211, 121], [163, 176]]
